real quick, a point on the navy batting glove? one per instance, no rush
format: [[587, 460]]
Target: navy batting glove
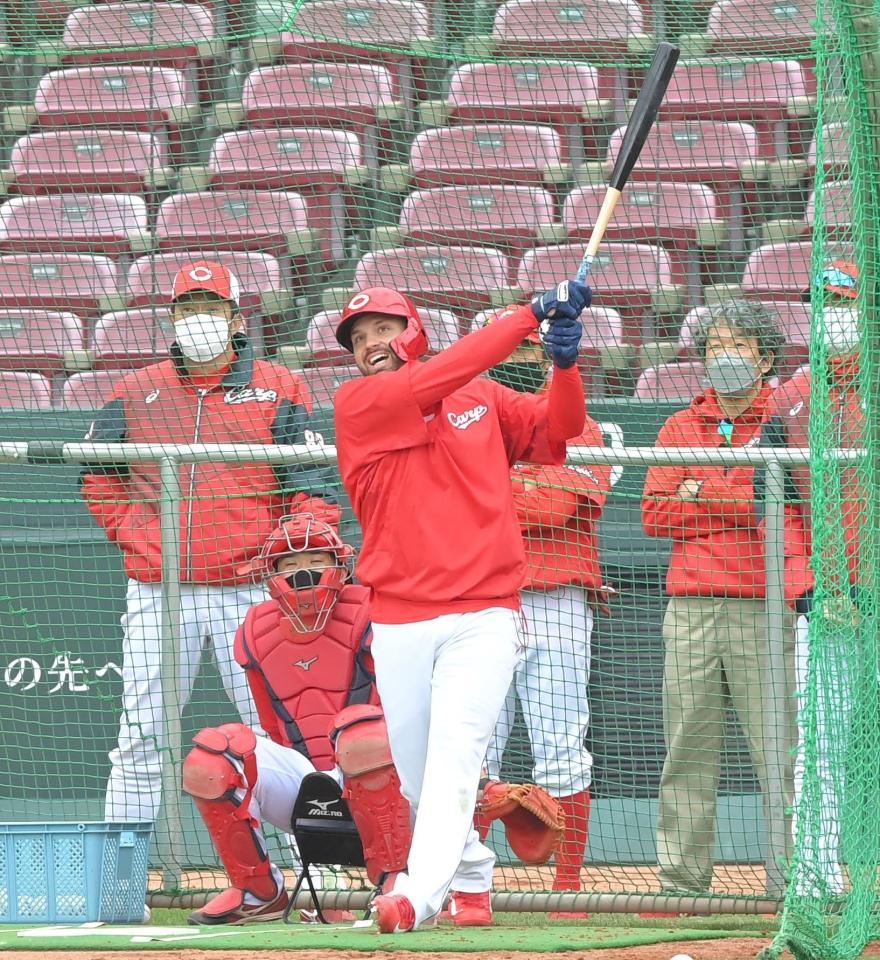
[[562, 339], [566, 301]]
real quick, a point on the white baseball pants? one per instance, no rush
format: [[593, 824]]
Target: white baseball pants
[[208, 615], [551, 681], [442, 683]]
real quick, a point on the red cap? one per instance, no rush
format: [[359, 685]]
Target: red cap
[[375, 300], [208, 276]]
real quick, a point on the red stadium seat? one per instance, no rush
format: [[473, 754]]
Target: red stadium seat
[[150, 279], [132, 338], [91, 390], [838, 210], [319, 94], [508, 217], [172, 34], [766, 94], [115, 96], [77, 160], [107, 223], [566, 27], [485, 153], [782, 271], [463, 279], [284, 158], [24, 391], [835, 144], [269, 221], [441, 326], [671, 382], [39, 340], [72, 282], [323, 382], [632, 278], [751, 26]]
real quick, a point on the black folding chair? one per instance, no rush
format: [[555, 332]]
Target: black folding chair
[[325, 833]]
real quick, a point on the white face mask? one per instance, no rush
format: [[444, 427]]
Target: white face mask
[[841, 334], [202, 337]]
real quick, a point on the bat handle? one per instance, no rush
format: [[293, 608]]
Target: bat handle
[[584, 268]]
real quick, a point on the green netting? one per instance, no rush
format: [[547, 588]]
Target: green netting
[[458, 152]]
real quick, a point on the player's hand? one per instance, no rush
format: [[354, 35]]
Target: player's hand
[[562, 340], [566, 301], [689, 489]]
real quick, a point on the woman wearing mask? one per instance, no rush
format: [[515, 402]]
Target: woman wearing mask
[[714, 628], [211, 390]]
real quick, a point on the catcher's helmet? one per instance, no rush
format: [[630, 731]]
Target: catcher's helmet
[[307, 597], [409, 345]]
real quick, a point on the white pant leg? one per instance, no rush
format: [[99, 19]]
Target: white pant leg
[[134, 787], [552, 686], [224, 610], [833, 697], [475, 657]]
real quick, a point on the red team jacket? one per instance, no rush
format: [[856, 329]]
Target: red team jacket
[[229, 509], [558, 518], [717, 545], [788, 418], [300, 684], [425, 455]]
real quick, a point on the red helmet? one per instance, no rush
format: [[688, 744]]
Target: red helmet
[[309, 603], [409, 345]]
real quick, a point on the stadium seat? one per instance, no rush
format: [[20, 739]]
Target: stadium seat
[[835, 145], [87, 160], [511, 218], [90, 390], [463, 279], [134, 97], [767, 94], [632, 278], [606, 28], [682, 217], [170, 34], [270, 221], [74, 282], [441, 326], [752, 26], [323, 382], [479, 154], [150, 279], [837, 213], [104, 223], [671, 382], [389, 33], [40, 341], [24, 391], [355, 95], [131, 338], [782, 271]]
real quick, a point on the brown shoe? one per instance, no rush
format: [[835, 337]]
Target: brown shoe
[[229, 908]]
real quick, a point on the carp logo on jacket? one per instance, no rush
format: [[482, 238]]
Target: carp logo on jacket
[[248, 394], [461, 421]]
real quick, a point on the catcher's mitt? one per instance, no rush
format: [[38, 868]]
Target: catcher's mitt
[[533, 820]]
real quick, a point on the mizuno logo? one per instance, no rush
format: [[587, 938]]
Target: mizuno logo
[[320, 808], [461, 421], [796, 409], [305, 664]]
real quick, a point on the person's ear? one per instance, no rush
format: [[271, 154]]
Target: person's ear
[[236, 324], [765, 364]]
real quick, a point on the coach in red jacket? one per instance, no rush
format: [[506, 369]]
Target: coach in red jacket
[[714, 629], [212, 390]]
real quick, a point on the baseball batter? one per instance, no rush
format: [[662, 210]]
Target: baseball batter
[[306, 656], [425, 451], [557, 509]]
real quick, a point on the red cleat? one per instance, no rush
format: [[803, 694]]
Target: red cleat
[[394, 914], [470, 909]]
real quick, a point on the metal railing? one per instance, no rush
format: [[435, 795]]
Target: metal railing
[[171, 456]]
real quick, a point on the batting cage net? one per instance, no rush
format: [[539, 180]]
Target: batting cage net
[[679, 613]]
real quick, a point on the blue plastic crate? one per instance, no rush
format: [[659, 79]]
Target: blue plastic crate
[[73, 872]]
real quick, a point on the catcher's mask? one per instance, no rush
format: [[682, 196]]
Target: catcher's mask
[[307, 595]]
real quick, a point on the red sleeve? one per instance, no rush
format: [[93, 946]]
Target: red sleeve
[[723, 502], [108, 499], [566, 413]]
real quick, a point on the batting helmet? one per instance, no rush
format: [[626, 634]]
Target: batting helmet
[[410, 345], [307, 596]]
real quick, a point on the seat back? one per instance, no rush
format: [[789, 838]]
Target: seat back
[[322, 824]]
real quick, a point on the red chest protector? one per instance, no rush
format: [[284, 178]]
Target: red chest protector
[[309, 682]]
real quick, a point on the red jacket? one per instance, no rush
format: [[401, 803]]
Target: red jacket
[[229, 509], [301, 681], [717, 546], [788, 419], [557, 509]]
